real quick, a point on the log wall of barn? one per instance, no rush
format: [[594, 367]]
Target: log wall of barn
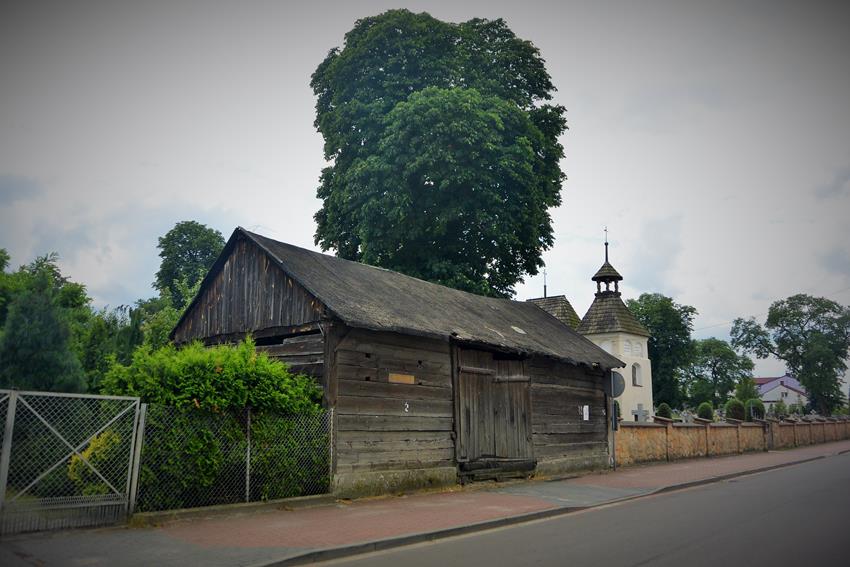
[[305, 354], [249, 293], [563, 440], [394, 412]]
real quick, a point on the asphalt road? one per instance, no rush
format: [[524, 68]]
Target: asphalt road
[[798, 515]]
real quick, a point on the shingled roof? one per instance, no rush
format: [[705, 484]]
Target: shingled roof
[[608, 314], [559, 307], [607, 273], [373, 298]]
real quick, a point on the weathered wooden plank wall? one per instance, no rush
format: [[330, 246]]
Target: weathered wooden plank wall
[[382, 425], [558, 392], [249, 293], [305, 354]]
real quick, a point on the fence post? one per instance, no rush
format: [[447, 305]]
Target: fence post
[[6, 452], [248, 458], [331, 441], [136, 459]]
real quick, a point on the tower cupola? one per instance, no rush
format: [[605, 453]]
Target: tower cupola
[[607, 275]]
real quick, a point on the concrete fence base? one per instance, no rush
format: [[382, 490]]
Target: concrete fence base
[[646, 442]]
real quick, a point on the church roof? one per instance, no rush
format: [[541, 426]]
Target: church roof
[[559, 307], [607, 273], [608, 314]]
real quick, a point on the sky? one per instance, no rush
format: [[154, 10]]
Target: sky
[[711, 138]]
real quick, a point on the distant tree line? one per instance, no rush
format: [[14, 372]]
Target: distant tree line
[[811, 335], [53, 339]]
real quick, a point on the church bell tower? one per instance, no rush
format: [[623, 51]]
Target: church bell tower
[[609, 324]]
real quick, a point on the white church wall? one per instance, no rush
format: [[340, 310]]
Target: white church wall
[[631, 349]]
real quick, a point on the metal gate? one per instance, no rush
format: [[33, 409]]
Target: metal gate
[[67, 460]]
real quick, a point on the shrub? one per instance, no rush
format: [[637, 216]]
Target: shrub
[[664, 411], [705, 411], [617, 409], [194, 450], [779, 409], [217, 379], [735, 409], [754, 409], [100, 454]]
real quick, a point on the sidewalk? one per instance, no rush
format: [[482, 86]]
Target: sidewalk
[[283, 537]]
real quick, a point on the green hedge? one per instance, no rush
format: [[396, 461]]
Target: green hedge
[[735, 409], [217, 379], [195, 447]]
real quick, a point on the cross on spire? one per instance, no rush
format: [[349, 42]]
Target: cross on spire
[[544, 282], [607, 274], [606, 243]]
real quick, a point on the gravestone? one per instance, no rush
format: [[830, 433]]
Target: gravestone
[[641, 415], [687, 417]]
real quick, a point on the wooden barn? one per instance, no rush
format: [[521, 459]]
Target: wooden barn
[[429, 384]]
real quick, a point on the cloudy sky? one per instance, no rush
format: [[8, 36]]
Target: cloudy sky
[[712, 138]]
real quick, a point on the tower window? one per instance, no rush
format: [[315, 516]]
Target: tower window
[[637, 375]]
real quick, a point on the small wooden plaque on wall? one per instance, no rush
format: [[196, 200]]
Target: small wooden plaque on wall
[[402, 378]]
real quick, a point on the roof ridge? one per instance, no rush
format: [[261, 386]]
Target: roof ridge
[[254, 235], [371, 297]]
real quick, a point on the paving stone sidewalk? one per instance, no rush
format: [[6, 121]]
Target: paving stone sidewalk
[[275, 536]]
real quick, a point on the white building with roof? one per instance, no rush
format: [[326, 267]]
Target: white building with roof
[[781, 388]]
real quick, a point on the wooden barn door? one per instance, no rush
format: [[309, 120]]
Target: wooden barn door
[[494, 421], [512, 419]]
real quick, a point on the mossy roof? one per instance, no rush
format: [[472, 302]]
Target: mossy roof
[[607, 273], [559, 307], [373, 298], [608, 314]]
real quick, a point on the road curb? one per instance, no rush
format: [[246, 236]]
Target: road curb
[[381, 544], [151, 519], [327, 554]]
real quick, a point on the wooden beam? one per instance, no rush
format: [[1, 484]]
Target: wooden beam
[[268, 332], [519, 378], [476, 370]]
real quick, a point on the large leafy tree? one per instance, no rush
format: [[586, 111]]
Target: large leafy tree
[[444, 152], [35, 346], [670, 347], [109, 335], [811, 335], [46, 317], [188, 250], [746, 389], [715, 371]]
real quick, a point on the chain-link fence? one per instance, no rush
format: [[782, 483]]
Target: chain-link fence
[[194, 458], [69, 460], [65, 459]]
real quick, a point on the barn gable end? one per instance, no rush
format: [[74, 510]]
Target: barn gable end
[[246, 292]]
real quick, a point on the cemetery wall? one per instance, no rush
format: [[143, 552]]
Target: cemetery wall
[[647, 442], [641, 442], [783, 436], [753, 437], [723, 439], [687, 441]]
